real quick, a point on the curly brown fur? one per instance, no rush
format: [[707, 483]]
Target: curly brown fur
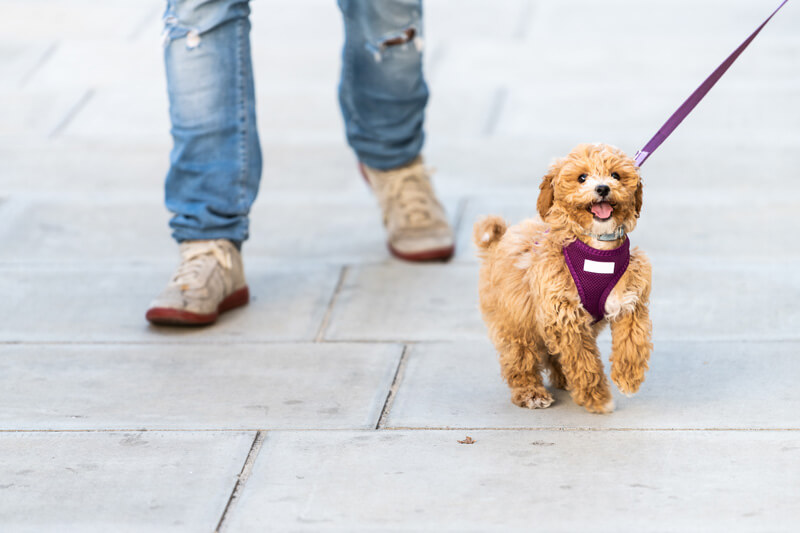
[[528, 297]]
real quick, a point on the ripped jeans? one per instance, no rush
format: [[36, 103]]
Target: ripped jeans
[[215, 163]]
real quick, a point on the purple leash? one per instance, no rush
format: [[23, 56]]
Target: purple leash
[[699, 93]]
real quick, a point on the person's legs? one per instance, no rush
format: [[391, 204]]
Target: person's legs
[[382, 90], [383, 96], [216, 157]]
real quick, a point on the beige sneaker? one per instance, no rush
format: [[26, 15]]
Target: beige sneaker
[[415, 221], [209, 281]]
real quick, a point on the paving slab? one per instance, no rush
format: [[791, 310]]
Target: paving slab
[[718, 163], [690, 385], [410, 302], [763, 110], [102, 63], [120, 481], [36, 115], [288, 303], [453, 20], [78, 227], [488, 166], [310, 168], [719, 299], [308, 113], [84, 167], [213, 385], [140, 111], [140, 114], [81, 19], [639, 59], [464, 113], [286, 22], [516, 480], [310, 62], [665, 20]]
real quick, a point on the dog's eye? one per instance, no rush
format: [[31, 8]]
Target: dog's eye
[[582, 178], [615, 175]]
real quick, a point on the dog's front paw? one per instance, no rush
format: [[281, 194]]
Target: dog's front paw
[[532, 398], [600, 408], [627, 383], [598, 401]]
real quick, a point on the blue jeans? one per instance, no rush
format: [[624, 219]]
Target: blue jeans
[[215, 163]]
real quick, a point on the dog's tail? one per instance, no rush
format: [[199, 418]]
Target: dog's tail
[[487, 232]]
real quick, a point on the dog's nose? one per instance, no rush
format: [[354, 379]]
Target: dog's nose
[[602, 190]]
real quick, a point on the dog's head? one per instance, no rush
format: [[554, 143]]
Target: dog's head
[[596, 188]]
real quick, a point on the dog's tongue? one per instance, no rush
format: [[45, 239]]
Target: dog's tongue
[[602, 210]]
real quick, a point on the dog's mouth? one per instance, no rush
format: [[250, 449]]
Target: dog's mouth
[[601, 210]]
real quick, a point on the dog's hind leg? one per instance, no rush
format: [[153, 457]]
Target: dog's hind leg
[[522, 369], [555, 372]]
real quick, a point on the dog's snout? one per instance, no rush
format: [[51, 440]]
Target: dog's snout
[[602, 190]]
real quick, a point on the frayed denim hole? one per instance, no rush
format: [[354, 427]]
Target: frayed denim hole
[[401, 40]]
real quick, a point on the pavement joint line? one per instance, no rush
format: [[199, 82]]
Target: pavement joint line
[[399, 428], [72, 113], [524, 24], [496, 106], [241, 480], [44, 58], [399, 373], [458, 217], [222, 342], [323, 327], [208, 342], [584, 428]]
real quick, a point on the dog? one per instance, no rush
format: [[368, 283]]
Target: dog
[[548, 287]]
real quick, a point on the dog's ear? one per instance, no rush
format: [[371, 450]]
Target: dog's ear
[[637, 199], [546, 190]]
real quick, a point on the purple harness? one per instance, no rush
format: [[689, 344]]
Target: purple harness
[[595, 273]]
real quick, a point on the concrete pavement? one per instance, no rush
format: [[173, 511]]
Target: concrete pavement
[[335, 401]]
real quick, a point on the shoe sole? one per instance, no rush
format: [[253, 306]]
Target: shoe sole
[[167, 316], [437, 254]]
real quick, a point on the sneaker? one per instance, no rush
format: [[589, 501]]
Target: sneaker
[[209, 281], [415, 221]]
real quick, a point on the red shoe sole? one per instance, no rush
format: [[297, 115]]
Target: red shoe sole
[[438, 254], [165, 316]]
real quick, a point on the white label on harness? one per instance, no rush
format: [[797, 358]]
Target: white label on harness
[[598, 267]]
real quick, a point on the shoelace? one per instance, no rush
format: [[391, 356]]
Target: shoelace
[[194, 257], [413, 195]]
